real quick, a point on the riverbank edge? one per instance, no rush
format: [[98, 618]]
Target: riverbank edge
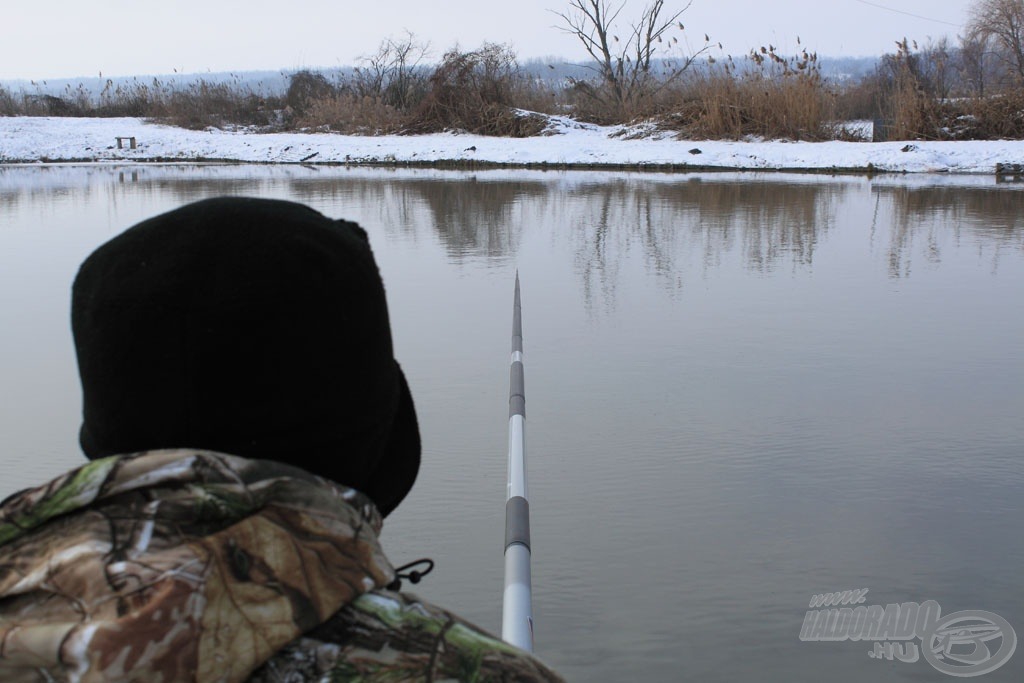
[[474, 165]]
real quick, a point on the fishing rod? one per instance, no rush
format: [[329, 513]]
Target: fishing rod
[[517, 605]]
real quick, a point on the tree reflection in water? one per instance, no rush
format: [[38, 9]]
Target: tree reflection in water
[[919, 216], [677, 223]]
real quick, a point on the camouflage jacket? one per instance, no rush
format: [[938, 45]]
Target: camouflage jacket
[[183, 565]]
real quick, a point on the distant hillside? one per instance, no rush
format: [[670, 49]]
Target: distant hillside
[[276, 82], [833, 68], [260, 82], [847, 68]]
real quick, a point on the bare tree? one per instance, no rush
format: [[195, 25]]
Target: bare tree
[[626, 66], [1002, 21], [936, 67], [976, 67], [393, 72]]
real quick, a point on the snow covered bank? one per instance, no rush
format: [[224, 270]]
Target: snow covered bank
[[31, 139]]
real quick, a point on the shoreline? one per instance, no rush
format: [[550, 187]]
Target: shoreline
[[568, 146], [465, 165]]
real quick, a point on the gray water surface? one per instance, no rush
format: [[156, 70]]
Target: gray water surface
[[742, 390]]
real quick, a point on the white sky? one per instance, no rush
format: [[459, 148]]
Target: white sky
[[69, 38]]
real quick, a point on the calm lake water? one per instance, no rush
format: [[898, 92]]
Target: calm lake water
[[742, 390]]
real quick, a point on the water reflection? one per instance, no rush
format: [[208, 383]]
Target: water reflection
[[679, 227], [921, 217], [769, 221]]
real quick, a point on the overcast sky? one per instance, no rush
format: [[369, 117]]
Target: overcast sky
[[68, 38]]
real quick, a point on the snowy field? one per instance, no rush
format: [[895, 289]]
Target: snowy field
[[48, 139]]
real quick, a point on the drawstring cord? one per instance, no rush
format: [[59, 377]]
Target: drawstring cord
[[413, 576]]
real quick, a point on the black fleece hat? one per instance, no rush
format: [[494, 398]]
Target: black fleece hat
[[252, 327]]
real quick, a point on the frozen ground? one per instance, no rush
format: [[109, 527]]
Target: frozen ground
[[46, 139]]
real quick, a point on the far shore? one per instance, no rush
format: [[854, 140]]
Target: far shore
[[569, 145]]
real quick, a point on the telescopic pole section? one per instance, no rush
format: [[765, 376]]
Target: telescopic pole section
[[517, 607]]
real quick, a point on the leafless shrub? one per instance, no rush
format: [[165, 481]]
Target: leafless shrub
[[394, 73], [305, 88], [9, 104], [861, 99], [474, 91], [535, 95], [996, 117], [53, 105]]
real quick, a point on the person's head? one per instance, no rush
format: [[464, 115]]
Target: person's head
[[248, 326]]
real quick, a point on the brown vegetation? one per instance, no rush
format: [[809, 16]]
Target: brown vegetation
[[198, 104], [768, 96], [475, 91]]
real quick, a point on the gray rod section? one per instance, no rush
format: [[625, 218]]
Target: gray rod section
[[516, 390], [517, 521], [517, 320], [517, 378]]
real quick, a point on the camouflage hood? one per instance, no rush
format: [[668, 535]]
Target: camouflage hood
[[176, 565]]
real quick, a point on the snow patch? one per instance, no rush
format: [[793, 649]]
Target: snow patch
[[565, 142]]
